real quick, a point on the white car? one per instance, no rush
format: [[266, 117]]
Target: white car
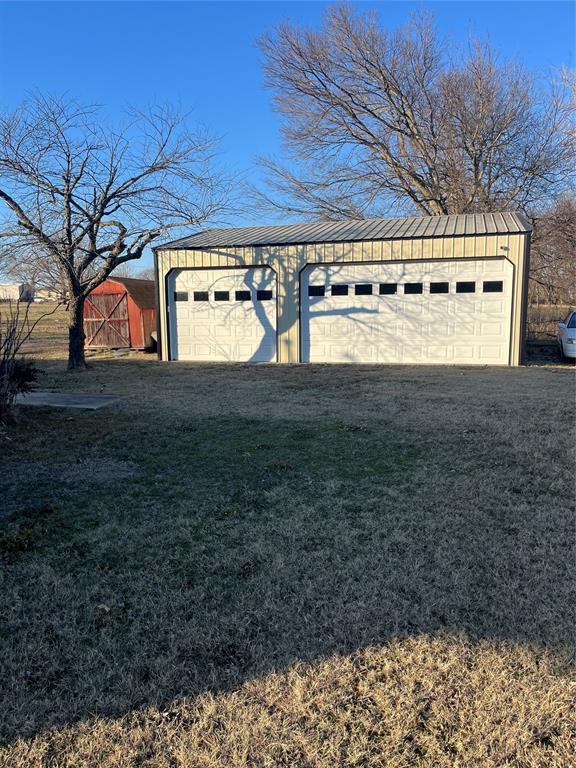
[[567, 336]]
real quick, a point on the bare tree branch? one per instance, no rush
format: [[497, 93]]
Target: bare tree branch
[[82, 199], [373, 121], [552, 263]]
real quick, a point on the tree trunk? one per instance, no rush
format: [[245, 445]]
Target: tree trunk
[[76, 333]]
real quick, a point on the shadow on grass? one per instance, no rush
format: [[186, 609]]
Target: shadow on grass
[[213, 550]]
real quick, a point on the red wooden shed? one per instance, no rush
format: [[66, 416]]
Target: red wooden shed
[[120, 312]]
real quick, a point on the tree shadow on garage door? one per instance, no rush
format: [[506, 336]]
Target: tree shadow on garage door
[[246, 544], [343, 333], [390, 312], [285, 318], [308, 311]]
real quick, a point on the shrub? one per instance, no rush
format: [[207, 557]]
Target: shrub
[[16, 374]]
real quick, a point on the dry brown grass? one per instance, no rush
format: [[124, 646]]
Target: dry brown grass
[[418, 701], [290, 566], [49, 336]]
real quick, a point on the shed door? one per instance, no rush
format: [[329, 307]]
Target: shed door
[[223, 314], [106, 320], [453, 312]]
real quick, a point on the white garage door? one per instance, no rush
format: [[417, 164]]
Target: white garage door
[[411, 312], [222, 314]]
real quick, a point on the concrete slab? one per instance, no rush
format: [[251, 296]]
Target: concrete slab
[[66, 400]]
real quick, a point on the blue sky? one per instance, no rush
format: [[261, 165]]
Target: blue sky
[[202, 55]]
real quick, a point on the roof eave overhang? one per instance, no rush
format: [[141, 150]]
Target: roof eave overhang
[[286, 243]]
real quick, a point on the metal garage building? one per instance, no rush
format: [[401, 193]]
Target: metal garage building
[[431, 290]]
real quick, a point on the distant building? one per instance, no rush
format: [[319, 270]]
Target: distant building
[[48, 294], [16, 292]]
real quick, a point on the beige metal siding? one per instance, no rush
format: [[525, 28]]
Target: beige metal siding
[[289, 260]]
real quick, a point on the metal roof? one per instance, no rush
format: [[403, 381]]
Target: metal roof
[[142, 291], [352, 230]]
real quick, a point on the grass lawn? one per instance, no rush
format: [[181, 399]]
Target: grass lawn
[[289, 566]]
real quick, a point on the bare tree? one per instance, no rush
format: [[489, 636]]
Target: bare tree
[[128, 269], [28, 263], [146, 274], [552, 263], [374, 121], [88, 199], [132, 270]]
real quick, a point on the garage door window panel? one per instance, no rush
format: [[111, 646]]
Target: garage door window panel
[[411, 289], [243, 295], [466, 286], [440, 287], [200, 295], [363, 289], [316, 290], [221, 296], [180, 295], [262, 295], [339, 290], [388, 289], [493, 286]]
